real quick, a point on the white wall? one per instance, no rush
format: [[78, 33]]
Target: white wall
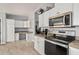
[[21, 8]]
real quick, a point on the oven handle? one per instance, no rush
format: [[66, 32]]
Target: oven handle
[[65, 46]]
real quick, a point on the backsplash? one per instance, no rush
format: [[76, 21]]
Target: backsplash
[[76, 29], [57, 29]]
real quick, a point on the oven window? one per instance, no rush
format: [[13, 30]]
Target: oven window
[[53, 49]]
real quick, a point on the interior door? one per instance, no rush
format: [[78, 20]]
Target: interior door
[[10, 30]]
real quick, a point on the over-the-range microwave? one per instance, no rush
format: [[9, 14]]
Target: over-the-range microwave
[[61, 20]]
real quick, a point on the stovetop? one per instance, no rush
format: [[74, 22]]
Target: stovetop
[[63, 40]]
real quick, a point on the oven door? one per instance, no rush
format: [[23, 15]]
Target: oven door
[[53, 49]]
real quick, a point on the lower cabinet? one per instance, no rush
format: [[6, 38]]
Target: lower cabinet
[[23, 36], [16, 36], [73, 51], [29, 36], [39, 44]]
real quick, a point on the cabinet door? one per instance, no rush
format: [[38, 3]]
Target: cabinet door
[[46, 19], [60, 8], [30, 36], [76, 14], [63, 7], [36, 43], [41, 45], [27, 36], [41, 20], [19, 23], [27, 24], [16, 36], [73, 51], [10, 30], [52, 12]]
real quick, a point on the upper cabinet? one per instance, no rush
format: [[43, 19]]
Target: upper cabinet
[[46, 19], [58, 9], [41, 18], [76, 14], [63, 7], [21, 24]]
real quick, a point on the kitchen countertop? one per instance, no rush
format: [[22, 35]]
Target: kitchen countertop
[[74, 44], [23, 32], [40, 35]]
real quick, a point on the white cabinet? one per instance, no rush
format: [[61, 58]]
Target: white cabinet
[[63, 7], [73, 51], [36, 43], [60, 8], [19, 23], [16, 36], [10, 30], [52, 12], [41, 19], [27, 24], [29, 36], [46, 19], [39, 44], [76, 14]]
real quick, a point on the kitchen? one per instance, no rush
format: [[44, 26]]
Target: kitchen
[[59, 26], [52, 27]]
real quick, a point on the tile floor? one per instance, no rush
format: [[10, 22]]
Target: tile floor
[[21, 47]]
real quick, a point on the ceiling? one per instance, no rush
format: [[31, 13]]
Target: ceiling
[[21, 8]]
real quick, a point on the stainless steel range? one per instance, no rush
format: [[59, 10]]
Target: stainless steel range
[[58, 43]]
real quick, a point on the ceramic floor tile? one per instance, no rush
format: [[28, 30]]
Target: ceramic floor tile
[[21, 47]]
